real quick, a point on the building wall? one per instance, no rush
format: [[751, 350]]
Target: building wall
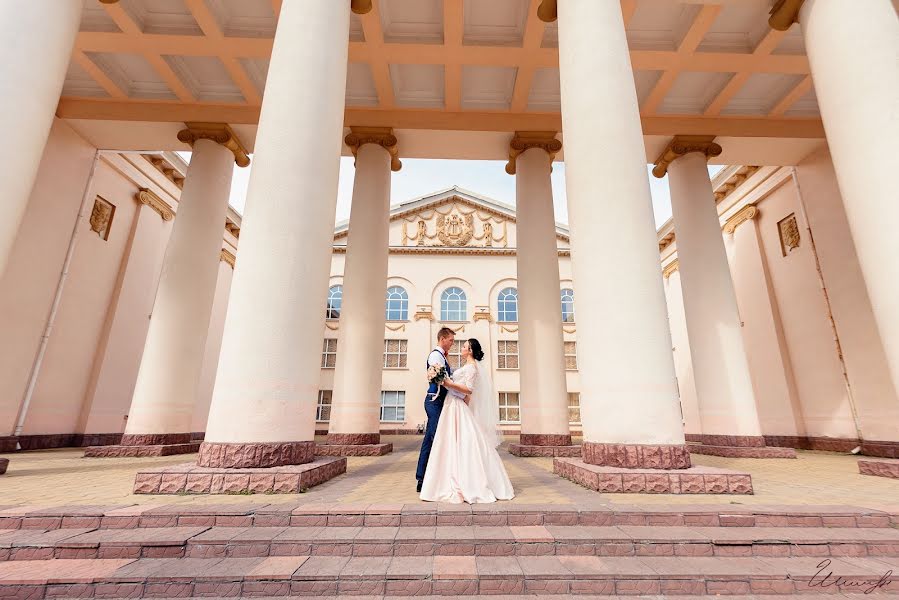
[[683, 361]]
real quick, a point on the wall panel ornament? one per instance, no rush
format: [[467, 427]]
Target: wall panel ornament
[[101, 217], [789, 234], [423, 312], [455, 226]]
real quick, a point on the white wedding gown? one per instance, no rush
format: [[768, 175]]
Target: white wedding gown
[[464, 465]]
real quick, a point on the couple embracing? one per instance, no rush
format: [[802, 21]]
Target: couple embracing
[[458, 460]]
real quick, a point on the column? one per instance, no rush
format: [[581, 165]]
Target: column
[[167, 383], [852, 48], [629, 403], [36, 39], [727, 407], [356, 403], [541, 353], [266, 390]]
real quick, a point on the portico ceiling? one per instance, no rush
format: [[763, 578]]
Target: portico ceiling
[[453, 77]]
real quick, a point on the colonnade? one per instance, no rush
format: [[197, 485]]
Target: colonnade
[[263, 407]]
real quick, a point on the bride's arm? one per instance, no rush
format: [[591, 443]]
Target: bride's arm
[[452, 385]]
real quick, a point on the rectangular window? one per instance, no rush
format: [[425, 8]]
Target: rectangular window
[[571, 356], [323, 410], [509, 408], [395, 354], [507, 354], [393, 406], [329, 353], [454, 356], [574, 407]]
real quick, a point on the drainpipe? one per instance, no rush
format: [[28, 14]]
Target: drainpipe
[[833, 324], [54, 308]]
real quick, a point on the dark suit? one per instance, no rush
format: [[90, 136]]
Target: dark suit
[[433, 408]]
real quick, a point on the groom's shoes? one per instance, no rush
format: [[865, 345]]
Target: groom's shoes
[[418, 487]]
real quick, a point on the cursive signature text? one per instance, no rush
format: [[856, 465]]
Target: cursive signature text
[[828, 579]]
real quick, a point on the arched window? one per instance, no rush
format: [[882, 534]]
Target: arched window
[[453, 305], [508, 305], [397, 304], [335, 300], [568, 305]]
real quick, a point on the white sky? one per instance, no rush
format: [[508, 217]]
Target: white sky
[[419, 177]]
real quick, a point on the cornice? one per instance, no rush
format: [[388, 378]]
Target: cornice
[[380, 136], [666, 240], [149, 198], [166, 168], [219, 133], [784, 13], [228, 257], [734, 181], [682, 145], [478, 251], [670, 268], [747, 213], [523, 141]]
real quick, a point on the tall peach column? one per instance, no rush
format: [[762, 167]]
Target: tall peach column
[[629, 404], [36, 39], [852, 49], [356, 405], [263, 406], [727, 405], [166, 388], [544, 392]]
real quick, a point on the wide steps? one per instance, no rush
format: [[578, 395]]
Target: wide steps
[[442, 575], [459, 540]]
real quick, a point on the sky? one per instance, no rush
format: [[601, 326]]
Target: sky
[[419, 177]]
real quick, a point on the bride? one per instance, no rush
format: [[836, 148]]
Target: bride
[[464, 465]]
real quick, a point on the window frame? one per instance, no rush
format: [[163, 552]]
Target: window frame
[[502, 305], [504, 404], [502, 358], [334, 292], [573, 355], [576, 396], [326, 352], [400, 408], [569, 293], [462, 301], [403, 300], [320, 405], [402, 354]]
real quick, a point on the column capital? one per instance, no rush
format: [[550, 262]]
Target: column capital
[[360, 7], [784, 13], [382, 136], [228, 257], [219, 133], [525, 140], [682, 145], [149, 198], [670, 268], [747, 213], [548, 11]]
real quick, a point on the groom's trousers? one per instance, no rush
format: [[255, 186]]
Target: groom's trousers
[[433, 408]]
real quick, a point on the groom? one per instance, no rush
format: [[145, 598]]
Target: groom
[[434, 399]]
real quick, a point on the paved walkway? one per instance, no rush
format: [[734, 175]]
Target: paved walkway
[[56, 477]]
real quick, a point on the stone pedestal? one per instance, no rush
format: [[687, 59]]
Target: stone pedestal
[[353, 444], [880, 467], [618, 480]]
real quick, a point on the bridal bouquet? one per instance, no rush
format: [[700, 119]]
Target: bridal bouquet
[[436, 375]]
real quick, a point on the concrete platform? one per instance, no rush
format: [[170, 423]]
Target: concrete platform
[[742, 451], [140, 451], [880, 467], [192, 479], [353, 449], [615, 480], [544, 451]]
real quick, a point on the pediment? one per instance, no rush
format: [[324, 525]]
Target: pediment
[[453, 218]]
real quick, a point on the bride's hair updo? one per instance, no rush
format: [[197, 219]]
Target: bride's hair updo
[[475, 347]]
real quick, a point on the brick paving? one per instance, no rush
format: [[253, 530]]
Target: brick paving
[[63, 477]]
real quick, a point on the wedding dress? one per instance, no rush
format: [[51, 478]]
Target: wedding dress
[[464, 465]]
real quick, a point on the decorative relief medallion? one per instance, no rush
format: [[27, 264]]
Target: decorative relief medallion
[[101, 217], [455, 227], [455, 230], [423, 312], [789, 234], [482, 313]]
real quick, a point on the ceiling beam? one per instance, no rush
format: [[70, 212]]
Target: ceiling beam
[[662, 125], [803, 87], [628, 9], [170, 77], [534, 29], [122, 19], [380, 69], [98, 75], [453, 31], [723, 98]]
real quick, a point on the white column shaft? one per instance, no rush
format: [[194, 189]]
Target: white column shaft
[[266, 388], [36, 39], [853, 49], [166, 388], [627, 370], [720, 367], [356, 404], [544, 392]]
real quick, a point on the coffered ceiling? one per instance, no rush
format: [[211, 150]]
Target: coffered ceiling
[[700, 66]]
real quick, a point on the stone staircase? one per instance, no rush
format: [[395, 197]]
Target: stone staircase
[[174, 551]]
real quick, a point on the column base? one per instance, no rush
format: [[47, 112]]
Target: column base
[[736, 446], [192, 479], [544, 445], [121, 451], [353, 444], [8, 443], [637, 456], [4, 463], [255, 455], [616, 480], [883, 467]]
